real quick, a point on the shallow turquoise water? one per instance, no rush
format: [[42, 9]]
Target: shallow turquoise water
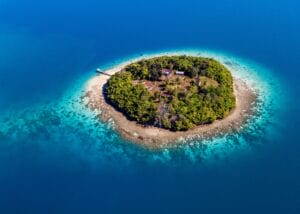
[[67, 118]]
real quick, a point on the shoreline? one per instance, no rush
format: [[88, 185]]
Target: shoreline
[[154, 137]]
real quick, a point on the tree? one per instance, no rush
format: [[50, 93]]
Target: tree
[[184, 106]]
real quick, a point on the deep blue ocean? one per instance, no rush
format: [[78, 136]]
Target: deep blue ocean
[[55, 157]]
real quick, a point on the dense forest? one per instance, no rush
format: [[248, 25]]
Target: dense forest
[[173, 92]]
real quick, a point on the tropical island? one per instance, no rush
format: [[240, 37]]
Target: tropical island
[[164, 99], [175, 93]]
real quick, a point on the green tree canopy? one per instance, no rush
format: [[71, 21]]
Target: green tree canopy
[[146, 95]]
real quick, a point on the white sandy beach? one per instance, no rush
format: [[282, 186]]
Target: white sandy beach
[[154, 137]]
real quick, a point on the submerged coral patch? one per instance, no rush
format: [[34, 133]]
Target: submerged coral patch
[[67, 122]]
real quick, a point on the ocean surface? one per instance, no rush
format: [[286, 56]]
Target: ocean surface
[[56, 157]]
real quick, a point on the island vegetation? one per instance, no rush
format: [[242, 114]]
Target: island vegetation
[[172, 92]]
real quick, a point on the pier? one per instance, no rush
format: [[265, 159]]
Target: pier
[[99, 71]]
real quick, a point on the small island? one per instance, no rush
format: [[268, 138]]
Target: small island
[[165, 99], [175, 93]]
